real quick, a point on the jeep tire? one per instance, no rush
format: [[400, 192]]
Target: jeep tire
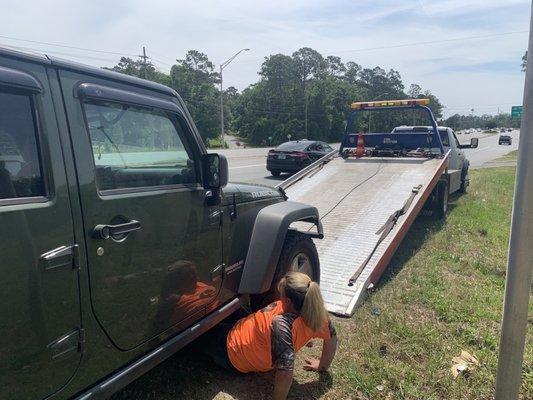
[[298, 254]]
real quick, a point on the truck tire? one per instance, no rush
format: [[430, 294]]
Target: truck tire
[[298, 254], [464, 174], [275, 173], [441, 204]]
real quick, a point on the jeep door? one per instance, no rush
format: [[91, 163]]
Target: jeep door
[[40, 326], [153, 245]]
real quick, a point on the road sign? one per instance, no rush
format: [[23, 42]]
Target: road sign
[[516, 111]]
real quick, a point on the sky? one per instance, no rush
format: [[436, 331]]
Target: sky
[[467, 52]]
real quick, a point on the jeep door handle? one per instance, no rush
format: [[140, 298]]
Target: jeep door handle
[[107, 231]]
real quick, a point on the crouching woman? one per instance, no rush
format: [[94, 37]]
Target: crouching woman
[[270, 338]]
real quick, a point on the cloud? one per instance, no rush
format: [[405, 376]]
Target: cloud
[[460, 72]]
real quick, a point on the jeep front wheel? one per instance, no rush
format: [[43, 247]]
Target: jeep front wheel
[[298, 254]]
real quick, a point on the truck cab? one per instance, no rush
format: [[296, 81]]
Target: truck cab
[[457, 158]]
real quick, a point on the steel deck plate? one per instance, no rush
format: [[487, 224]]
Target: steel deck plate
[[355, 197]]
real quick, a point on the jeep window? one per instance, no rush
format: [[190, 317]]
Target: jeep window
[[137, 147], [20, 163]]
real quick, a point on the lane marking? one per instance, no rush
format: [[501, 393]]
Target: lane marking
[[483, 149], [248, 166]]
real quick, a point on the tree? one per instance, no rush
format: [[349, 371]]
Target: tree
[[194, 79], [335, 66], [139, 68], [524, 62], [414, 91], [302, 95], [352, 72]]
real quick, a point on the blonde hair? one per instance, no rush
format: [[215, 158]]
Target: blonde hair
[[306, 297]]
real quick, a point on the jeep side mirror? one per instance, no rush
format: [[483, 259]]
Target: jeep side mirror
[[214, 171]]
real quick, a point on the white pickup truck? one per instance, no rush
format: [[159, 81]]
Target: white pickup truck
[[370, 191], [457, 160]]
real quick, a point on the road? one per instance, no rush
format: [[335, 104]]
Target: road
[[488, 148], [248, 165]]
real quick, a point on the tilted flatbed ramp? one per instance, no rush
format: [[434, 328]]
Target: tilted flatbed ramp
[[355, 198]]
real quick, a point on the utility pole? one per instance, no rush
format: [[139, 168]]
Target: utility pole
[[144, 57], [520, 260], [305, 95], [222, 66]]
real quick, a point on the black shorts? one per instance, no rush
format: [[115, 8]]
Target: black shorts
[[214, 345]]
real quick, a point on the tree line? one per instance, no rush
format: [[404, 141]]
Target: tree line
[[302, 95]]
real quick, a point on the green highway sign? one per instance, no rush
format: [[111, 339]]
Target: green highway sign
[[516, 111]]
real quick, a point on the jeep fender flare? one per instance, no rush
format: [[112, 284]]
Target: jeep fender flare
[[266, 242]]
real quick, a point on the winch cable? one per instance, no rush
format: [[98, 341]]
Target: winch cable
[[387, 227], [380, 166]]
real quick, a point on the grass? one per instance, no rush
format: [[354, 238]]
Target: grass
[[442, 293], [511, 156], [216, 143]]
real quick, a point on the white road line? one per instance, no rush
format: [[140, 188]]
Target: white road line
[[249, 166], [482, 149]]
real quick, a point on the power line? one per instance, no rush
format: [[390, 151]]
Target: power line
[[41, 51], [67, 47], [432, 42], [400, 45]]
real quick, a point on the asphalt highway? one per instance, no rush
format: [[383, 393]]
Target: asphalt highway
[[249, 165]]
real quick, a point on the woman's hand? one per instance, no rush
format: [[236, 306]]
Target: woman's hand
[[312, 364]]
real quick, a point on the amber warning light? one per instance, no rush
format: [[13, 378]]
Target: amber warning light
[[389, 103]]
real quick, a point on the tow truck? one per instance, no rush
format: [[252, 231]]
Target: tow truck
[[369, 192]]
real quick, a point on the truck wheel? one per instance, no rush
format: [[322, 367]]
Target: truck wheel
[[298, 254], [275, 173], [441, 203], [464, 175]]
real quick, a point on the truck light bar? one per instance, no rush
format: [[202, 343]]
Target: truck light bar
[[389, 103]]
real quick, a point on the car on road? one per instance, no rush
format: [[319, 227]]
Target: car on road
[[295, 155], [122, 240], [505, 139]]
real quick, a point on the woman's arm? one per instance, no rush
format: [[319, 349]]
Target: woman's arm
[[329, 348], [282, 384], [328, 353]]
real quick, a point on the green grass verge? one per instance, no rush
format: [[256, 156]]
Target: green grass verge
[[512, 155], [216, 143], [442, 293]]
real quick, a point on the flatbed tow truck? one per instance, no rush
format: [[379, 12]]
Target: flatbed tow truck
[[368, 193]]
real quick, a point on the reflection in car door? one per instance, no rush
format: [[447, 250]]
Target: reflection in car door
[[139, 171]]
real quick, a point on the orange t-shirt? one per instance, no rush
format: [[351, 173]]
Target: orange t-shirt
[[249, 341]]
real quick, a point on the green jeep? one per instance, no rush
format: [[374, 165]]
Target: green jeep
[[121, 240]]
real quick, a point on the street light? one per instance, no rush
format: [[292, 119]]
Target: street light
[[222, 66]]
